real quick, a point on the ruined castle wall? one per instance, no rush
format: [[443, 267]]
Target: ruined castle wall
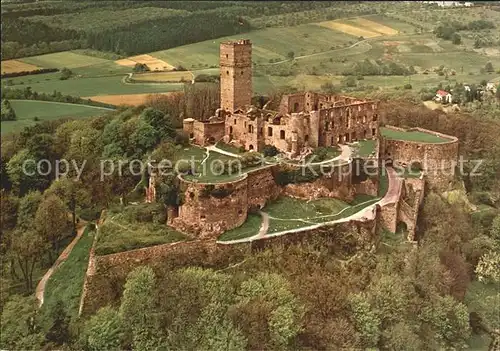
[[411, 199], [206, 133], [104, 282], [438, 160], [336, 183], [261, 187], [210, 209]]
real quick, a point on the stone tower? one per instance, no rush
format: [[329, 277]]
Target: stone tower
[[235, 74]]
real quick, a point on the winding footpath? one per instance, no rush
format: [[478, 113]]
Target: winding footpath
[[40, 288], [365, 214]]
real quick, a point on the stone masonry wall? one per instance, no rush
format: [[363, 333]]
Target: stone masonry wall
[[437, 159], [411, 198], [261, 188], [210, 209], [206, 133], [106, 275]]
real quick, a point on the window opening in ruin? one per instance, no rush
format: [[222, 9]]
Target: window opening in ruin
[[240, 212], [332, 141], [230, 130], [269, 131], [296, 107], [364, 134], [227, 72], [326, 125], [282, 134], [250, 147], [235, 121], [250, 128], [306, 138], [364, 119], [346, 138], [191, 195], [227, 56], [320, 106], [353, 136], [375, 117], [339, 140], [373, 132], [203, 216], [191, 135], [241, 72]]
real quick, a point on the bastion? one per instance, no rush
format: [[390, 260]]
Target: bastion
[[436, 154]]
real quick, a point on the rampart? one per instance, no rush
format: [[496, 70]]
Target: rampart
[[106, 274], [209, 209], [437, 160]]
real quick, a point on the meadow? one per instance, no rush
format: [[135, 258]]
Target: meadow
[[27, 110]]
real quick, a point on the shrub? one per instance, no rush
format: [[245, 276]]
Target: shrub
[[407, 86], [65, 74], [270, 150]]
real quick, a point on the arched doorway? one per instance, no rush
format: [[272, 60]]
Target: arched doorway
[[250, 147]]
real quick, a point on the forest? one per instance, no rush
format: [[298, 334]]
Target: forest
[[134, 27]]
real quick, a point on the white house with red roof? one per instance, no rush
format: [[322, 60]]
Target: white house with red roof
[[443, 96]]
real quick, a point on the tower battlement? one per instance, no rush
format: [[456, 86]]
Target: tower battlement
[[236, 74]]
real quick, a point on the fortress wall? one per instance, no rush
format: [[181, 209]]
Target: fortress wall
[[205, 130], [438, 160], [338, 184], [410, 201], [210, 209], [261, 187], [104, 282]]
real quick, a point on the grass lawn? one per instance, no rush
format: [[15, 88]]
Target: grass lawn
[[366, 147], [229, 148], [191, 152], [412, 136], [66, 283], [249, 228], [120, 232], [26, 110], [66, 59], [291, 208], [92, 86]]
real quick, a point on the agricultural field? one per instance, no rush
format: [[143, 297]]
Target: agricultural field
[[158, 77], [124, 99], [27, 110], [12, 66], [66, 59], [153, 63]]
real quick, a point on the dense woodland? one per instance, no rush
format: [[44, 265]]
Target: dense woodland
[[133, 27], [281, 297]]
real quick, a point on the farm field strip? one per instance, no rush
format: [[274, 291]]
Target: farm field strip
[[12, 66], [349, 29], [66, 59], [124, 99], [154, 63], [172, 76], [27, 110], [374, 26]]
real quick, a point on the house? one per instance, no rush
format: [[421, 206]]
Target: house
[[443, 96], [491, 87]]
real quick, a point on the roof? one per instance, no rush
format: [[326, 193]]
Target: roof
[[442, 92]]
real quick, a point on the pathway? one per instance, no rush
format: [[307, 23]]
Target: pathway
[[40, 288], [367, 213], [220, 151]]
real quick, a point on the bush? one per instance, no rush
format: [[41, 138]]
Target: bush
[[182, 138], [407, 86], [65, 74], [270, 150]]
